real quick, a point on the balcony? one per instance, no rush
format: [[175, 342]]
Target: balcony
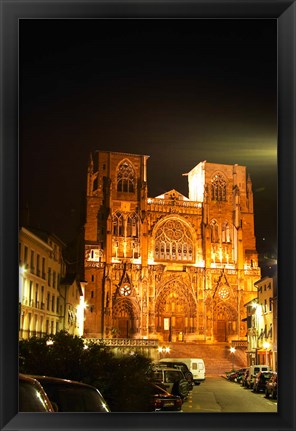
[[130, 342]]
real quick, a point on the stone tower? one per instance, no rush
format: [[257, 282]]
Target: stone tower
[[170, 266]]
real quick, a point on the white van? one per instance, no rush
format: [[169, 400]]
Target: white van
[[195, 365], [253, 370]]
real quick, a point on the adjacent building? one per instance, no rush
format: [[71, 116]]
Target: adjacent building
[[170, 267], [267, 321], [48, 300], [262, 324]]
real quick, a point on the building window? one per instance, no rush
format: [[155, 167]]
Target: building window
[[226, 232], [214, 231], [32, 267], [49, 276], [132, 225], [26, 255], [118, 224], [38, 264], [54, 279], [42, 297], [36, 296], [128, 226], [126, 177], [48, 301], [218, 188], [43, 268], [52, 303], [31, 294], [173, 241]]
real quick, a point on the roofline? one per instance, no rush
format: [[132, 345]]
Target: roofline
[[35, 238], [119, 152]]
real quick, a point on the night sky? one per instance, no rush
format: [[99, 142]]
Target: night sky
[[181, 91]]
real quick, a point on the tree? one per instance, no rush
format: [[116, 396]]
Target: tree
[[121, 380]]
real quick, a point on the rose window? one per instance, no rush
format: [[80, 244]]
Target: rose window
[[224, 292], [173, 241]]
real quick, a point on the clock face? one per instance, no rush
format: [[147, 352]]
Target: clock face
[[125, 290]]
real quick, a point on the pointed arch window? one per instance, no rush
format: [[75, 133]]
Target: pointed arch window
[[132, 225], [125, 177], [214, 231], [218, 188], [118, 224], [126, 225], [226, 232]]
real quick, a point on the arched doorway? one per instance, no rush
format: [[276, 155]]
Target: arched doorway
[[175, 311], [123, 318], [224, 321]]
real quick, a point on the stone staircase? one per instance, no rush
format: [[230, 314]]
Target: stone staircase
[[216, 356]]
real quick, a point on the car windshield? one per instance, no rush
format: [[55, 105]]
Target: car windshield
[[172, 376], [30, 398], [157, 390], [266, 376], [75, 398]]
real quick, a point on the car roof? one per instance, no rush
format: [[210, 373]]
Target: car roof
[[49, 379], [166, 369], [31, 380], [166, 364], [26, 378]]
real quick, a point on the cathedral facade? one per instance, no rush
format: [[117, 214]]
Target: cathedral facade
[[169, 267]]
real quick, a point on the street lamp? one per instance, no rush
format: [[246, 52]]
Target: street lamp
[[163, 349], [266, 346], [232, 351]]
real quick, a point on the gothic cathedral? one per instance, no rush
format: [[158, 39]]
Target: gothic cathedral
[[168, 267]]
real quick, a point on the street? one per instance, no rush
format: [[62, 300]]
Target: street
[[219, 395]]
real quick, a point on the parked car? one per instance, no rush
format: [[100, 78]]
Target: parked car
[[180, 366], [254, 370], [70, 396], [271, 386], [161, 400], [171, 379], [195, 365], [236, 376], [32, 397], [260, 381], [243, 380]]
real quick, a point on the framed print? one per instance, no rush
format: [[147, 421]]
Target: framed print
[[148, 206]]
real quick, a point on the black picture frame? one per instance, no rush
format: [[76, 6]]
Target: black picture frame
[[285, 13]]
